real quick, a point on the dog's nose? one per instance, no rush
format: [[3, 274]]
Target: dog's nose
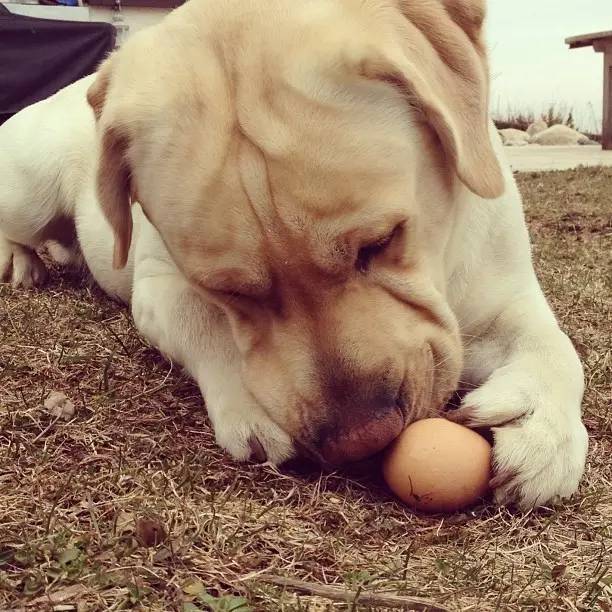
[[363, 439], [360, 431]]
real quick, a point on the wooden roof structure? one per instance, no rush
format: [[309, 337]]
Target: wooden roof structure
[[601, 43]]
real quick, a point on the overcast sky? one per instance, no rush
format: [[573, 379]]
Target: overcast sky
[[531, 67]]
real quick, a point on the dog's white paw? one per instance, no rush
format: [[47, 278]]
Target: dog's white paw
[[197, 335], [242, 428], [540, 445], [535, 466], [21, 266]]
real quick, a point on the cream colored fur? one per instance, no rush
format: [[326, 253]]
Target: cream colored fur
[[268, 144]]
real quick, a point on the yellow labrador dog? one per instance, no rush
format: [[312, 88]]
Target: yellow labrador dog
[[310, 211]]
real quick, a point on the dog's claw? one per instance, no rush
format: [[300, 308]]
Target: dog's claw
[[258, 453]]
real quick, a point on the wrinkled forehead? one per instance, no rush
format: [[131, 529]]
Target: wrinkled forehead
[[315, 161], [328, 146], [316, 151]]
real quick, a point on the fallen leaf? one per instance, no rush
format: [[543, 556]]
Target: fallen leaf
[[6, 556], [125, 522], [193, 587], [225, 603], [150, 531], [557, 571], [31, 585], [68, 556], [57, 597], [162, 554]]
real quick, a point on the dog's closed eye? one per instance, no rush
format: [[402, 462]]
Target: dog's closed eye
[[369, 252], [238, 297]]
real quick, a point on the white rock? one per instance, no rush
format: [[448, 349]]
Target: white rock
[[559, 135], [58, 405], [536, 127], [514, 138]]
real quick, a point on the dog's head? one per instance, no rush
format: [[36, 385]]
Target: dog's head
[[301, 162]]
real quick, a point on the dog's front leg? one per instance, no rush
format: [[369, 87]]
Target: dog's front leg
[[530, 392], [194, 333]]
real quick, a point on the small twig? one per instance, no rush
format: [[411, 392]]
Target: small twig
[[119, 340], [92, 514], [366, 598], [46, 429], [105, 373], [57, 499], [54, 599], [154, 389]]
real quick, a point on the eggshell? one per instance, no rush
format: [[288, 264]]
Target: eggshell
[[436, 465]]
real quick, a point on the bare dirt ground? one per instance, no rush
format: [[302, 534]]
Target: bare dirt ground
[[128, 504]]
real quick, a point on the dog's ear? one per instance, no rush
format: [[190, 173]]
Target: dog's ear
[[439, 62], [469, 15], [113, 179]]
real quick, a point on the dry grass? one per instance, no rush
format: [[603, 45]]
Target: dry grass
[[129, 504]]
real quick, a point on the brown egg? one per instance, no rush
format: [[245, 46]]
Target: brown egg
[[436, 465]]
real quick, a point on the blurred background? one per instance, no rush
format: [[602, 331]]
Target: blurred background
[[532, 69]]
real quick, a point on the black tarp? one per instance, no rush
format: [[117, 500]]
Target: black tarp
[[40, 56]]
